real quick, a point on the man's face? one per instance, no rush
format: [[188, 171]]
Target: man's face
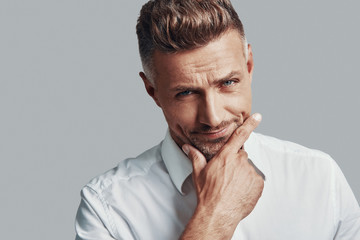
[[205, 93]]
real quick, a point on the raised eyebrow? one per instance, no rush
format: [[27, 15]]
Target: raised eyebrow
[[228, 77], [182, 88]]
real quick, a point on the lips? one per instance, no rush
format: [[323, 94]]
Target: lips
[[214, 134]]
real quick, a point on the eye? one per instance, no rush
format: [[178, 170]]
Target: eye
[[229, 83], [184, 93]]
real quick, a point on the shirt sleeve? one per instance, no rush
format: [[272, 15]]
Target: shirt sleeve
[[91, 219], [346, 207]]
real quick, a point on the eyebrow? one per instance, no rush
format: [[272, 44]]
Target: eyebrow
[[216, 82], [228, 77]]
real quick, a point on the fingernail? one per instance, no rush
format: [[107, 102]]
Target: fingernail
[[186, 149], [257, 117]]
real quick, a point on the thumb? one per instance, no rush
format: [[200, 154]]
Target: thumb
[[197, 158]]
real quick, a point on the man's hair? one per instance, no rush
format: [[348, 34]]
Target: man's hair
[[170, 26]]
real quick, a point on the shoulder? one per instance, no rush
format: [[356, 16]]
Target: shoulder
[[128, 170], [288, 148], [296, 168], [290, 157]]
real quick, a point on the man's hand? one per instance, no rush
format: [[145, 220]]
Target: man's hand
[[227, 187]]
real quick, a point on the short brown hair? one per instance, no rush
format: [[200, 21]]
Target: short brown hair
[[175, 25]]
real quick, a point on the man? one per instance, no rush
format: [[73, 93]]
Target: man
[[212, 177]]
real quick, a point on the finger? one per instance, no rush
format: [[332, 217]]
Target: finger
[[197, 158], [242, 133]]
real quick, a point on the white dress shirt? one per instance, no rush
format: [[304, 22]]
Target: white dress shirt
[[305, 196]]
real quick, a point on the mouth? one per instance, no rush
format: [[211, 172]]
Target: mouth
[[216, 134]]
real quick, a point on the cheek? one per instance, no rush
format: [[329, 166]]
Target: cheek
[[180, 115], [239, 103]]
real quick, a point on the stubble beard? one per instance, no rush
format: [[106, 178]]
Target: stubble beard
[[209, 148]]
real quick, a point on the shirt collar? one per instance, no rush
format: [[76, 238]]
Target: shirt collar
[[180, 167], [176, 162]]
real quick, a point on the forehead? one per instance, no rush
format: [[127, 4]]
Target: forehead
[[218, 58]]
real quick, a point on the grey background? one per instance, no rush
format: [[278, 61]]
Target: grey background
[[72, 104]]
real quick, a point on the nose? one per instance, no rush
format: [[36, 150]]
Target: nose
[[211, 110]]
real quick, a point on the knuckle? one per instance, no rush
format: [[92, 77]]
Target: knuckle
[[262, 184], [243, 155], [242, 132], [254, 174], [260, 188], [191, 156], [194, 158]]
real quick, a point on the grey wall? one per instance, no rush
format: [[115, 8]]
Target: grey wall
[[72, 104]]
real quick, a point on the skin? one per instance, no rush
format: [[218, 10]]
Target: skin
[[227, 187], [205, 95]]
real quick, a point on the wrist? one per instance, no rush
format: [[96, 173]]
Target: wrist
[[210, 223]]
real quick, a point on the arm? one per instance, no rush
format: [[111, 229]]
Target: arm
[[91, 221], [227, 187], [346, 208]]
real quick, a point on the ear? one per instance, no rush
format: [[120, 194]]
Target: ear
[[250, 62], [150, 88]]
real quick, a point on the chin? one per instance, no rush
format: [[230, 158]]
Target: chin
[[210, 149]]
